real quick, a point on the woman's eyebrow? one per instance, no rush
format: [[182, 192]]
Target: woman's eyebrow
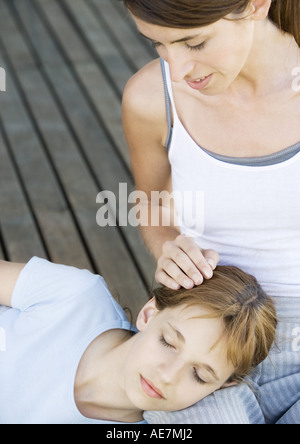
[[184, 39]]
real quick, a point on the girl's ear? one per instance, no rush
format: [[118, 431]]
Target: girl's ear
[[148, 312], [229, 384]]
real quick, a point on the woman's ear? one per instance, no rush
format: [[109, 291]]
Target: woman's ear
[[148, 312], [261, 9]]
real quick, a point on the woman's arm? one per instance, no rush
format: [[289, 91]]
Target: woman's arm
[[180, 261], [144, 121], [9, 274]]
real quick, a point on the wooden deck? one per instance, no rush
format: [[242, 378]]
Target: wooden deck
[[61, 137]]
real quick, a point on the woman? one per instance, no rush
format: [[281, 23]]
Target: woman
[[68, 354], [232, 132]]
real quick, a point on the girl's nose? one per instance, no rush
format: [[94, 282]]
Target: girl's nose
[[172, 372]]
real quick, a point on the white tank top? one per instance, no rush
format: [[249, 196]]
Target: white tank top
[[250, 215]]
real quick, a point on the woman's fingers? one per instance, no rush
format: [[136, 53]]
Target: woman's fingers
[[195, 262], [183, 272], [184, 264], [212, 258], [162, 278]]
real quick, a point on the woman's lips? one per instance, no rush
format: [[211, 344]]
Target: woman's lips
[[150, 389], [199, 84]]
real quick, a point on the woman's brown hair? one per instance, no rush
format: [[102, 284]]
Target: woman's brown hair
[[247, 312], [196, 13]]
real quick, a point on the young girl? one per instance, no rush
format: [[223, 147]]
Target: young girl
[[68, 355], [229, 72]]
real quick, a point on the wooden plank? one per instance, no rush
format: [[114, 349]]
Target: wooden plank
[[106, 245], [122, 32], [107, 168], [2, 256], [50, 206], [18, 229], [99, 43], [100, 93], [17, 45], [67, 34], [64, 82], [132, 35]]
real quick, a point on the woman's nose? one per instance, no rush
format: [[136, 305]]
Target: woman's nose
[[179, 68]]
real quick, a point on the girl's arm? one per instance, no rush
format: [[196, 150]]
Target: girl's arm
[[9, 274], [180, 262]]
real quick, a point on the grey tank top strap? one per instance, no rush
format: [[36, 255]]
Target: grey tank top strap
[[168, 106]]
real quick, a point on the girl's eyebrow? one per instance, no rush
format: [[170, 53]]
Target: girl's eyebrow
[[184, 39], [205, 366], [178, 334], [211, 371]]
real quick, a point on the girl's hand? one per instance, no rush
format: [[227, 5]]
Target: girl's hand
[[184, 264]]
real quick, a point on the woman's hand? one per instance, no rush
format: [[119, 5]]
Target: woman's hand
[[184, 264]]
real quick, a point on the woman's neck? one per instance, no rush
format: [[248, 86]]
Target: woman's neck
[[269, 67]]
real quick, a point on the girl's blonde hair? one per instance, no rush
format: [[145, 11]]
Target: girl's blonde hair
[[247, 312]]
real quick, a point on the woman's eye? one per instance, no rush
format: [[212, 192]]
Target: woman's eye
[[197, 47], [156, 45], [165, 343]]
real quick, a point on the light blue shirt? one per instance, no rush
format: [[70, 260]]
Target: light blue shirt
[[57, 313]]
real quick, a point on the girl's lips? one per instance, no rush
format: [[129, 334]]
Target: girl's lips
[[150, 389], [198, 85]]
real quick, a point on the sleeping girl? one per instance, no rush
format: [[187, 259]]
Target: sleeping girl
[[69, 355]]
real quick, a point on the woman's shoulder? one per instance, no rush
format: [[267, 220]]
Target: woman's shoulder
[[144, 92]]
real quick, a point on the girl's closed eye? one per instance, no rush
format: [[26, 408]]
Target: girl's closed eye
[[197, 377], [164, 342]]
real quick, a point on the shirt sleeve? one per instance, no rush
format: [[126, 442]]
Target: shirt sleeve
[[42, 282]]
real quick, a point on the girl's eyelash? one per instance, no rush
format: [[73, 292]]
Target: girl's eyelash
[[197, 377], [167, 345], [164, 342]]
